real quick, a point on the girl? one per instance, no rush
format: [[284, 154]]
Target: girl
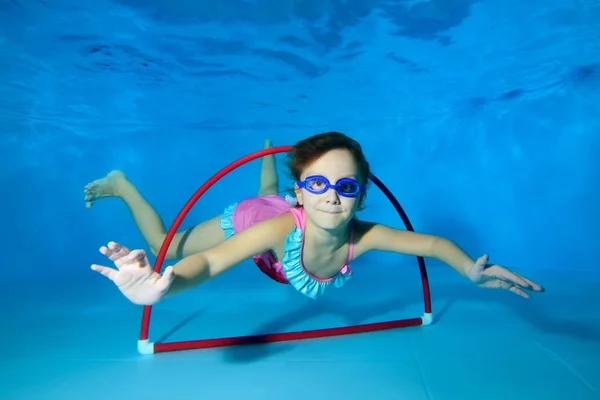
[[308, 245]]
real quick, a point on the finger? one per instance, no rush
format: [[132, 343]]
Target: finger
[[499, 272], [479, 266], [513, 278], [499, 284], [119, 247], [518, 291], [137, 257], [167, 278], [117, 250], [533, 285], [141, 257], [483, 259], [505, 274], [520, 280], [110, 273], [496, 284], [114, 251]]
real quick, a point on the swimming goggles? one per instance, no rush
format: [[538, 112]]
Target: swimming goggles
[[318, 184]]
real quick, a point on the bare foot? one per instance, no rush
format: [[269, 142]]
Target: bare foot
[[103, 187]]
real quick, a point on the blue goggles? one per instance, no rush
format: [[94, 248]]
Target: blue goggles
[[318, 184]]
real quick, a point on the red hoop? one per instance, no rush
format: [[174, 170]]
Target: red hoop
[[147, 347]]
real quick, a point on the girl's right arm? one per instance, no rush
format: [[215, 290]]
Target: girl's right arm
[[136, 279], [260, 237]]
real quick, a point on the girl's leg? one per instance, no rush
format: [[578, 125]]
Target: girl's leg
[[194, 240], [191, 241], [269, 181]]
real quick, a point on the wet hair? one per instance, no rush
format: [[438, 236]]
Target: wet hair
[[308, 150]]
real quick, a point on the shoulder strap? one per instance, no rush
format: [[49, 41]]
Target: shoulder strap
[[299, 216]]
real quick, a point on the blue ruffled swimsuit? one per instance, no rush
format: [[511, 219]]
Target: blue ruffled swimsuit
[[290, 270]]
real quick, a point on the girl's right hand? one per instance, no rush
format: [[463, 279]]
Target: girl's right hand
[[134, 275]]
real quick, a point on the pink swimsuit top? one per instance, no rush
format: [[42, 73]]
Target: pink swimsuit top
[[291, 269]]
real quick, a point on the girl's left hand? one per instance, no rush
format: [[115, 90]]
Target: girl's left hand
[[497, 277]]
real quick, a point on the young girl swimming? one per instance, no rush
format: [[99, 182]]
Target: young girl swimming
[[308, 245]]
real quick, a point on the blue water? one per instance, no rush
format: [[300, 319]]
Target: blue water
[[482, 117]]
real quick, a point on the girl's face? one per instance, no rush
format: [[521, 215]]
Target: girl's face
[[330, 210]]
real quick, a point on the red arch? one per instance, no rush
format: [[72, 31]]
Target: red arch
[[146, 347]]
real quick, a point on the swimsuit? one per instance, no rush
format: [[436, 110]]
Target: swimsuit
[[290, 269]]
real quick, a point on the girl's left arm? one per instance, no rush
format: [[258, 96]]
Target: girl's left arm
[[381, 237], [385, 238]]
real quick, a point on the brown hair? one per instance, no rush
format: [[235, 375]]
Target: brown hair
[[306, 151]]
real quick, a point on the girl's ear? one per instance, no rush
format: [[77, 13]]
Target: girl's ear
[[298, 193]]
